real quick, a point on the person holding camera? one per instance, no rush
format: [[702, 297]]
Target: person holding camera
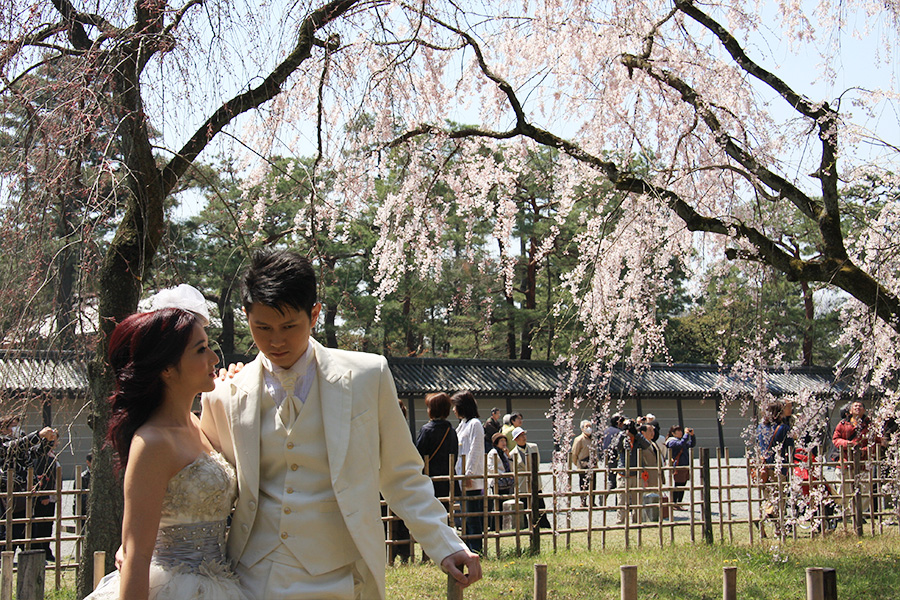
[[19, 452], [651, 458], [608, 449], [679, 443], [628, 444]]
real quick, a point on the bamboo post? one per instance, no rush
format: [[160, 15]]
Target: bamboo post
[[780, 503], [454, 590], [857, 496], [693, 491], [660, 479], [30, 582], [590, 512], [719, 495], [6, 574], [603, 512], [814, 584], [518, 507], [730, 500], [79, 510], [627, 501], [535, 508], [829, 584], [10, 477], [99, 566], [628, 580], [729, 583], [540, 582], [707, 497], [57, 522], [485, 504], [748, 469], [463, 504], [870, 473]]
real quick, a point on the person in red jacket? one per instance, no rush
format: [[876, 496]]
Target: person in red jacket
[[852, 433]]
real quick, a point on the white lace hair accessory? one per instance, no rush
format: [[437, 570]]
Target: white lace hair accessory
[[183, 296]]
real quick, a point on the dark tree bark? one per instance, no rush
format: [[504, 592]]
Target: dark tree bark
[[130, 255]]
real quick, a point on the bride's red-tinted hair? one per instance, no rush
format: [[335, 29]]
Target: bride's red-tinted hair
[[140, 348]]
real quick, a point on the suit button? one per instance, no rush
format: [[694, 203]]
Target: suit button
[[245, 527], [287, 510], [290, 490], [294, 467], [283, 535], [253, 506], [290, 445]]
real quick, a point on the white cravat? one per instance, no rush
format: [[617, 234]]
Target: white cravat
[[287, 411]]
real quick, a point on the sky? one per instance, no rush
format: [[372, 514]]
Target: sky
[[859, 61]]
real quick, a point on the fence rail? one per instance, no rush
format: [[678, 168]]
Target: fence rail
[[722, 497], [17, 509]]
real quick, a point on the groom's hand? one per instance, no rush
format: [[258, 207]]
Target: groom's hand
[[231, 371], [464, 559]]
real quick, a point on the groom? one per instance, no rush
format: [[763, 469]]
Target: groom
[[315, 434]]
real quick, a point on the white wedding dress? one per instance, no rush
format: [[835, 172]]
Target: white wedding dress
[[189, 558]]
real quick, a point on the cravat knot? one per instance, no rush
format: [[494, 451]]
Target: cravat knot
[[287, 411], [288, 380]]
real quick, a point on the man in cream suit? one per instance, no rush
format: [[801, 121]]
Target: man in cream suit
[[315, 434]]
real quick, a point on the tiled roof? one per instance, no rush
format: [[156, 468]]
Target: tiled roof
[[46, 371], [55, 371], [418, 376]]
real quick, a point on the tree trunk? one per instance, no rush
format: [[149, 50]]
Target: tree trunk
[[226, 311], [121, 275], [810, 314], [511, 328], [65, 273], [331, 312], [530, 285]]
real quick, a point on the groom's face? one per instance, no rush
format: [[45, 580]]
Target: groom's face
[[282, 335]]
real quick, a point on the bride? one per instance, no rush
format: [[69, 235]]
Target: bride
[[178, 490]]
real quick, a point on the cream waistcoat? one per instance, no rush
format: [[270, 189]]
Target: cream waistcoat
[[298, 510]]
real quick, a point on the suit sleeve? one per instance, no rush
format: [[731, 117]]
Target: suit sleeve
[[407, 491]]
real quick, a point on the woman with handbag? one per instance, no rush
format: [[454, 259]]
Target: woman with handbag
[[679, 443], [437, 441]]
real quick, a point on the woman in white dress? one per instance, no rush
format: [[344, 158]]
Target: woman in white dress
[[178, 490]]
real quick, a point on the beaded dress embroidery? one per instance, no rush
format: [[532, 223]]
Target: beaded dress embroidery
[[189, 557]]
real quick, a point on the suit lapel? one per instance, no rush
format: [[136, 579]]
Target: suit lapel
[[245, 415], [337, 401]]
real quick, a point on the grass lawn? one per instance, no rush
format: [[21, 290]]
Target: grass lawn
[[867, 568]]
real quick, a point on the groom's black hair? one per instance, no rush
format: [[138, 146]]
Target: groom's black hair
[[279, 279]]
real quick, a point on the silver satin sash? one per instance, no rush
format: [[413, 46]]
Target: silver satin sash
[[191, 544]]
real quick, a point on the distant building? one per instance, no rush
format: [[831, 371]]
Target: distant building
[[51, 388]]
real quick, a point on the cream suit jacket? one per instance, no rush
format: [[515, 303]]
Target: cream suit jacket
[[359, 403]]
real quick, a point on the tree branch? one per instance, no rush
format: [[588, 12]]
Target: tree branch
[[833, 269], [252, 98], [825, 119]]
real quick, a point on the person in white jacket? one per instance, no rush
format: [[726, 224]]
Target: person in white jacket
[[470, 466], [307, 524]]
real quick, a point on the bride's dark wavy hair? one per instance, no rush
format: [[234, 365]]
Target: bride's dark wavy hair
[[140, 348]]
